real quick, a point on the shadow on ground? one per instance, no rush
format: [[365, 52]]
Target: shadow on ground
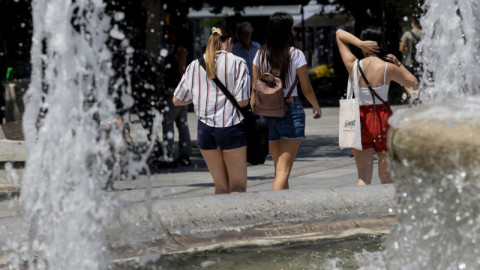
[[321, 146], [311, 146]]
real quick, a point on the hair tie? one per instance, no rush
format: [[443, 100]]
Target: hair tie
[[216, 30]]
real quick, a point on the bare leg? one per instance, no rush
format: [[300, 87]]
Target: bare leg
[[216, 166], [236, 164], [364, 161], [383, 172], [283, 153]]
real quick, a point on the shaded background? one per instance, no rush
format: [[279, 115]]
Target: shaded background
[[145, 21]]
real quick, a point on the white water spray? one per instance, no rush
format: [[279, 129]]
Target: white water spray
[[450, 49], [434, 148], [73, 146]]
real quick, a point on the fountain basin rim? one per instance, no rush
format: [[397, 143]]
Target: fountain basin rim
[[192, 224], [207, 222]]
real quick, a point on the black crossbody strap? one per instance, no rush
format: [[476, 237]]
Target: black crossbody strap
[[222, 87], [371, 89]]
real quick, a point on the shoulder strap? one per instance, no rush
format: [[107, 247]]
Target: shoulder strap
[[352, 81], [264, 69], [385, 73], [222, 87], [292, 87], [371, 89], [296, 78], [417, 39]]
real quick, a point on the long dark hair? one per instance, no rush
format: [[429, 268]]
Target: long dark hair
[[375, 33], [276, 50]]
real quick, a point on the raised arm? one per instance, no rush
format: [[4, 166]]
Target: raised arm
[[402, 76], [344, 38], [398, 73]]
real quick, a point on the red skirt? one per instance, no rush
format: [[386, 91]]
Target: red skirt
[[375, 126]]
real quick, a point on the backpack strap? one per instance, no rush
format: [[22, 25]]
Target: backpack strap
[[264, 70], [292, 87], [416, 39]]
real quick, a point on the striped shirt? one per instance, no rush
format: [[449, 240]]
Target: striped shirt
[[297, 60], [210, 104]]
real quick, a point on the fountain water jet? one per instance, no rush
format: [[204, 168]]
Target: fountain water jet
[[435, 149], [450, 49], [74, 148]]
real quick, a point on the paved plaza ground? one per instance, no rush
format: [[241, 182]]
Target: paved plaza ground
[[320, 163]]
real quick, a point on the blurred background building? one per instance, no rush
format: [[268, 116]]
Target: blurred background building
[[146, 20]]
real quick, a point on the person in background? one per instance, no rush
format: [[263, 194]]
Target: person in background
[[245, 48], [380, 69], [221, 136], [279, 57], [407, 45], [173, 69]]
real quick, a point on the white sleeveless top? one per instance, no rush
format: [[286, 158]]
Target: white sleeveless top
[[363, 93]]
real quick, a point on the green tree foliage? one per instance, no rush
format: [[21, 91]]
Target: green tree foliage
[[407, 8]]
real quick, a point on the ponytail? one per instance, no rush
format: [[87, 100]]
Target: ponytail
[[214, 44]]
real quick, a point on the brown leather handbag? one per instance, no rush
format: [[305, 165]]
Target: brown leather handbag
[[269, 99]]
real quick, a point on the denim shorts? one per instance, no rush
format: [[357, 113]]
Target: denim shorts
[[291, 126], [209, 138]]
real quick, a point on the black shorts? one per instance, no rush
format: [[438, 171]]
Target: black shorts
[[209, 138]]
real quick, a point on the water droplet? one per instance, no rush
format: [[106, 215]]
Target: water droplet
[[119, 16]]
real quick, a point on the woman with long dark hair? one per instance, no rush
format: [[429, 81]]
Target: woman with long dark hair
[[279, 57], [380, 69], [221, 136]]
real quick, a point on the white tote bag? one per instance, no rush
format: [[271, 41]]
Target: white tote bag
[[349, 129]]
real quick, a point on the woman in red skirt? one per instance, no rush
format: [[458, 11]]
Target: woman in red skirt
[[379, 69]]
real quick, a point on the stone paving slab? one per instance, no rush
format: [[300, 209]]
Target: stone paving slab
[[319, 163]]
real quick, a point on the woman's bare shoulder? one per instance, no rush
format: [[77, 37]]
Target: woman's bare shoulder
[[373, 63]]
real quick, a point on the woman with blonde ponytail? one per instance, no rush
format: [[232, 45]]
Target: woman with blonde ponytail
[[221, 136]]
